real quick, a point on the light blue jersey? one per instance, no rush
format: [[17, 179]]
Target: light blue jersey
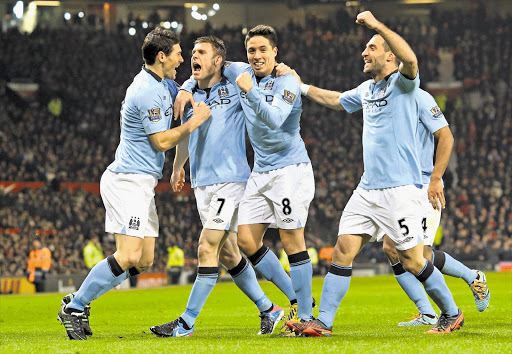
[[272, 108], [391, 150], [146, 109], [431, 120], [217, 148]]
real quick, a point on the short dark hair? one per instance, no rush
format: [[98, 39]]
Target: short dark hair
[[219, 48], [158, 40], [264, 31]]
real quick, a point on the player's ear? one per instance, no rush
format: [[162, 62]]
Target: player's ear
[[275, 51], [218, 60], [391, 57], [160, 56]]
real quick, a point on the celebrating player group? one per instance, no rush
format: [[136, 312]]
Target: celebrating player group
[[398, 200]]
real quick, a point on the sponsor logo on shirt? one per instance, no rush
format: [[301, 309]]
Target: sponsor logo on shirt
[[374, 106], [288, 97], [168, 111], [436, 112], [215, 103], [154, 114]]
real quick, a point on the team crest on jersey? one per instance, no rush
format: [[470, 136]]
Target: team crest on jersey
[[134, 223], [288, 97], [269, 85], [223, 92], [154, 114], [436, 112], [382, 92]]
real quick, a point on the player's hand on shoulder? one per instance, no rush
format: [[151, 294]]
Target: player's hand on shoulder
[[436, 194], [201, 111], [283, 69], [177, 180], [180, 102], [244, 81], [366, 18]]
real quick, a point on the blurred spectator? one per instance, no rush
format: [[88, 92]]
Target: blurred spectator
[[175, 264], [39, 263], [93, 253]]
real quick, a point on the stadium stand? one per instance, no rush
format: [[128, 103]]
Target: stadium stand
[[85, 72]]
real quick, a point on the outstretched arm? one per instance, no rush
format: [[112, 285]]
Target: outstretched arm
[[327, 98], [399, 47]]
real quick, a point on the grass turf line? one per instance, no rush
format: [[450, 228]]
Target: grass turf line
[[366, 322]]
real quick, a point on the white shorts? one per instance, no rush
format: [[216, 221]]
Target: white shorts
[[129, 200], [279, 197], [218, 205], [429, 223], [397, 212]]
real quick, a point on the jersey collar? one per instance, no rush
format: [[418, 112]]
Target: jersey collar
[[155, 76], [272, 74]]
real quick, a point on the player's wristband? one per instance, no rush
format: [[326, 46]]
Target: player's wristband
[[304, 89]]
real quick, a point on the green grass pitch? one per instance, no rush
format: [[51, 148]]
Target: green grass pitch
[[365, 323]]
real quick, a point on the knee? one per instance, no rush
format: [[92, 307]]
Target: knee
[[229, 260], [144, 264], [413, 266], [246, 245], [128, 260], [342, 255], [205, 249]]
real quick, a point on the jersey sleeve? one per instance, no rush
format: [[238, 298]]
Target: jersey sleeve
[[430, 113], [351, 100], [407, 85], [152, 112], [286, 92], [231, 70], [189, 84]]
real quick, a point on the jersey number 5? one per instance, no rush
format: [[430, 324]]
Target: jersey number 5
[[403, 227]]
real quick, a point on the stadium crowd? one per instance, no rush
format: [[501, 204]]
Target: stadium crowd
[[87, 71]]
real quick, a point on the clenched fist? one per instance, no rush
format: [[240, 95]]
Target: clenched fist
[[201, 111], [244, 81], [366, 18]]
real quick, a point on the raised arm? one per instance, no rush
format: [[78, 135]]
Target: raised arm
[[399, 47]]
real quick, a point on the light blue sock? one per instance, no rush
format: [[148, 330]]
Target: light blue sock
[[245, 278], [436, 288], [266, 263], [413, 289], [203, 286], [452, 267], [335, 287], [118, 280], [301, 273], [98, 281]]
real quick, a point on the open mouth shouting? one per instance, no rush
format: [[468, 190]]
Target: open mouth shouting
[[196, 68]]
